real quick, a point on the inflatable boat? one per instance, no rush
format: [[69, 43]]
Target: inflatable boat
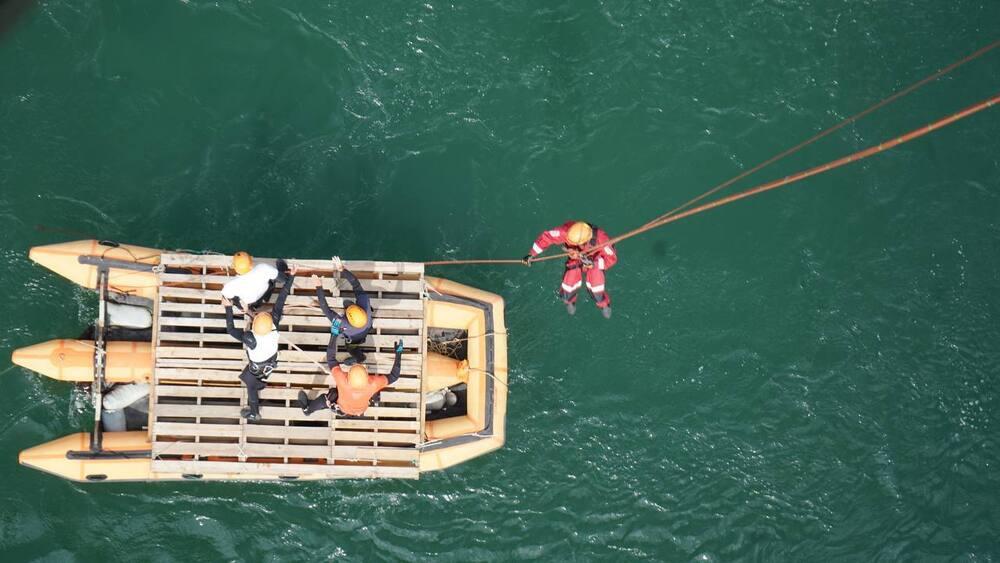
[[163, 373]]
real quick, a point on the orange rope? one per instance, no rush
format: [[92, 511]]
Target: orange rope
[[854, 157], [658, 221], [835, 128], [484, 261]]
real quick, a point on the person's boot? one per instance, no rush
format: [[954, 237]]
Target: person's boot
[[303, 401], [606, 312], [571, 308], [250, 414]]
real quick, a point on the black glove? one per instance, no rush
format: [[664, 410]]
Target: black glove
[[526, 260]]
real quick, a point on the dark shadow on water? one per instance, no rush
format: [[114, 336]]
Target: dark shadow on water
[[10, 12], [658, 249]]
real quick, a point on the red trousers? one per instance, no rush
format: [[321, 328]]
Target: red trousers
[[573, 280]]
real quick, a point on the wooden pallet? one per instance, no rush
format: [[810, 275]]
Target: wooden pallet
[[195, 423]]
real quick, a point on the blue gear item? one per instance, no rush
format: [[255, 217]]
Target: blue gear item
[[399, 346], [337, 327]]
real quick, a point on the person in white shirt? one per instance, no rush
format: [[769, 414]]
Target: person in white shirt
[[255, 283], [261, 345]]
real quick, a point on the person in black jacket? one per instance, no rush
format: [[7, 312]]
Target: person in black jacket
[[356, 322]]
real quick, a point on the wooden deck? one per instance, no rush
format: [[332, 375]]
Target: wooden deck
[[195, 424]]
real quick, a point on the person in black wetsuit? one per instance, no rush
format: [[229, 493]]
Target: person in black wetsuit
[[356, 322], [261, 344]]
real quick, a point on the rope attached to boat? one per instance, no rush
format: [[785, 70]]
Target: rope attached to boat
[[676, 213]]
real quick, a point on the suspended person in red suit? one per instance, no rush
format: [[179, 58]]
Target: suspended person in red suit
[[580, 240]]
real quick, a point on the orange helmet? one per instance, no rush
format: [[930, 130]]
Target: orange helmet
[[242, 262], [356, 316], [357, 376], [579, 234], [263, 324]]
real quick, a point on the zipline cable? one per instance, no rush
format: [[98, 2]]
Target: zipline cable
[[853, 157], [833, 129], [661, 220]]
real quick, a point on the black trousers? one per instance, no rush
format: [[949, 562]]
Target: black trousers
[[319, 403], [254, 376]]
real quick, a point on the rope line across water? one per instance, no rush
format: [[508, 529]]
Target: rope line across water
[[669, 216], [853, 157]]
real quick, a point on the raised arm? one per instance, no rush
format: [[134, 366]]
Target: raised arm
[[284, 272], [283, 275], [549, 237], [394, 374], [247, 338], [360, 295], [321, 297], [231, 327], [279, 305]]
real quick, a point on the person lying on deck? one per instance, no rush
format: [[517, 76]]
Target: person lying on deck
[[354, 388], [356, 322], [261, 344], [254, 283]]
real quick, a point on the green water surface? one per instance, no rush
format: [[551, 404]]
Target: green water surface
[[810, 375]]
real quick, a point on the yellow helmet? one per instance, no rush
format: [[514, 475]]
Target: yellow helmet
[[356, 316], [263, 324], [357, 376], [579, 234], [242, 262]]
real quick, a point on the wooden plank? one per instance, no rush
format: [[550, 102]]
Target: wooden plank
[[155, 341], [380, 425], [303, 286], [319, 321], [407, 367], [408, 302], [422, 406], [298, 338], [269, 393], [384, 308], [273, 413], [208, 359], [274, 431], [237, 353], [357, 266], [351, 424], [311, 379], [289, 372], [250, 449], [329, 471]]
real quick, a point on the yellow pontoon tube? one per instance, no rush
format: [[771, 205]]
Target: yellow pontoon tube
[[481, 315]]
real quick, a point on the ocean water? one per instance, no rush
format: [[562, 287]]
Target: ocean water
[[809, 375]]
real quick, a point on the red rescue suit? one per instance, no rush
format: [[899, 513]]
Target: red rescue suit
[[589, 266]]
